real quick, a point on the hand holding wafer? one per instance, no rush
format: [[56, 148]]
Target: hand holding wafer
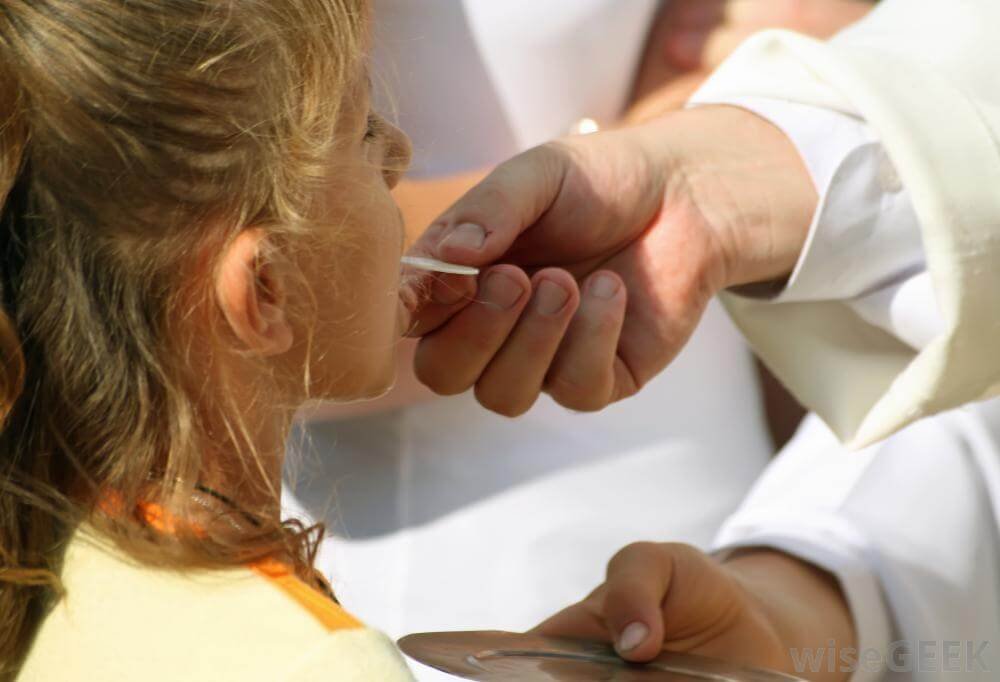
[[611, 247]]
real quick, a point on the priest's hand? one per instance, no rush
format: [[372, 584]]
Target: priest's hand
[[599, 255]]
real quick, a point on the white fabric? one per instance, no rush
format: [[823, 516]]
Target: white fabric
[[907, 309], [451, 517], [864, 247], [474, 82], [924, 75], [908, 525], [864, 233]]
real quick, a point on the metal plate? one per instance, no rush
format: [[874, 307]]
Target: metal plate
[[494, 656]]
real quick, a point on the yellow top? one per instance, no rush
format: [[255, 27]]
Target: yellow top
[[122, 621]]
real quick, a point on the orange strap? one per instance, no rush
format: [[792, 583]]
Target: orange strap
[[329, 613]]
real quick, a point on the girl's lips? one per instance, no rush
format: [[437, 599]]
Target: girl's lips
[[404, 314]]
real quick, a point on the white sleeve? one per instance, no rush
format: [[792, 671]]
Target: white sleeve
[[864, 245], [923, 75], [908, 527]]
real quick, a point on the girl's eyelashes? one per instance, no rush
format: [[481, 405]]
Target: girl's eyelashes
[[374, 128]]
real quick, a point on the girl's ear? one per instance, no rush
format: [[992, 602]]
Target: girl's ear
[[251, 293]]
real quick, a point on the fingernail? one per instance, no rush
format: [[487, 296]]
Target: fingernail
[[550, 297], [632, 636], [465, 236], [603, 286], [444, 293], [501, 290]]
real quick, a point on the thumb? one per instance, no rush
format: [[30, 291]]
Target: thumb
[[480, 227], [637, 582]]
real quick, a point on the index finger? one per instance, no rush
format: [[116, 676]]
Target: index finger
[[481, 226], [583, 620]]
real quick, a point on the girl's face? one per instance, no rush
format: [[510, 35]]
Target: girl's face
[[352, 268]]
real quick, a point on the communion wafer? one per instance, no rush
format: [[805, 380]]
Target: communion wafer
[[435, 265]]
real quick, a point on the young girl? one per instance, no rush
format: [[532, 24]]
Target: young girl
[[197, 236]]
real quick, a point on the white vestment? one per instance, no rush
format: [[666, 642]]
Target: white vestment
[[883, 324], [925, 75]]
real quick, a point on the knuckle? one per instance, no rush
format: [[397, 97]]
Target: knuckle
[[481, 344], [440, 377], [623, 393], [575, 394], [604, 322], [679, 550], [538, 341], [495, 200], [636, 551], [443, 387], [501, 403], [601, 329], [554, 153], [626, 382], [555, 158]]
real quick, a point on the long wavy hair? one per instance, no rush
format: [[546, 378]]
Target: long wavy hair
[[133, 133]]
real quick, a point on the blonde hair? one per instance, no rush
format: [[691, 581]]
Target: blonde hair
[[133, 132]]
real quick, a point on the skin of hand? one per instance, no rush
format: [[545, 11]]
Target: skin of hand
[[626, 235], [755, 608]]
